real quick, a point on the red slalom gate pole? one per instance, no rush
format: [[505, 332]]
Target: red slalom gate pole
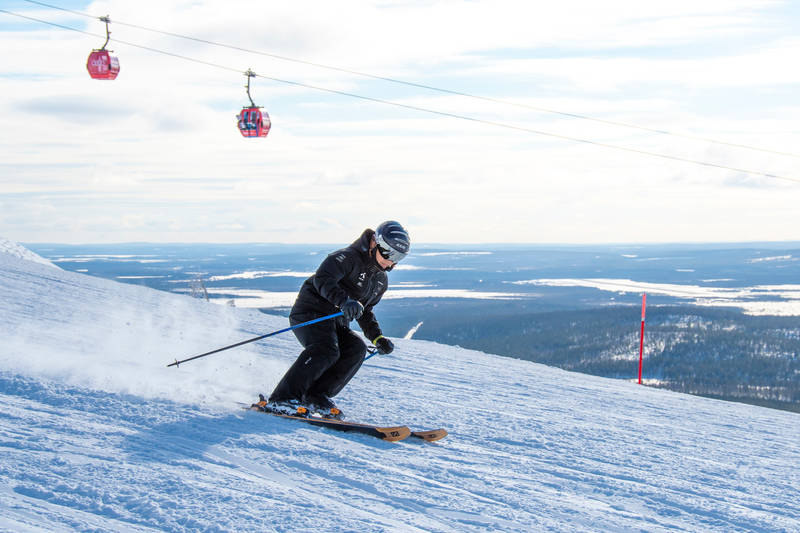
[[641, 337]]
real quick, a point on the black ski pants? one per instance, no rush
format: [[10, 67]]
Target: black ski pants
[[333, 354]]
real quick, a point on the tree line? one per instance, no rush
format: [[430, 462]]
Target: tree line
[[715, 352]]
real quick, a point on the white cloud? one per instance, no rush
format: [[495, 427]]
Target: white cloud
[[155, 154]]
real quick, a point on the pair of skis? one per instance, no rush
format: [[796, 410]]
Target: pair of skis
[[390, 433]]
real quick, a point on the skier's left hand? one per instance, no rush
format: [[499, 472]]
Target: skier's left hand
[[384, 345]]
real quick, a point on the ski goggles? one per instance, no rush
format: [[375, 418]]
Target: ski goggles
[[387, 252]]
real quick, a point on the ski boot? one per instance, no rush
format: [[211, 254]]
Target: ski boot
[[324, 407], [282, 407]]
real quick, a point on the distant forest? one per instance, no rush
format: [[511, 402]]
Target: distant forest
[[715, 352]]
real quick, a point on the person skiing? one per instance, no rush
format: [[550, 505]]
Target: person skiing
[[352, 280]]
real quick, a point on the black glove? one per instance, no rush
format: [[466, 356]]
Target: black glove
[[383, 345], [352, 309]]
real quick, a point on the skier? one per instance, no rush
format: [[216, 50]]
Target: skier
[[352, 280]]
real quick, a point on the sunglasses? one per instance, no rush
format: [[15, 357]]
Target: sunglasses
[[387, 252]]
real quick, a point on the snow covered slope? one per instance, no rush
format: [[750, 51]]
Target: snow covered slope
[[17, 250], [96, 433]]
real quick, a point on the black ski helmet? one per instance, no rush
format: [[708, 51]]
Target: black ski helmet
[[393, 241]]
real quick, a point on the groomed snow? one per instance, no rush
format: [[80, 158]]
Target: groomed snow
[[96, 433]]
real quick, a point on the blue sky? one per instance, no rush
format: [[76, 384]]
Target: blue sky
[[155, 155]]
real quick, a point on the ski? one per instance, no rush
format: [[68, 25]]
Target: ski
[[429, 435], [391, 433]]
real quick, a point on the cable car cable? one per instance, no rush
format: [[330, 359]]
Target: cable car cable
[[143, 47], [428, 110], [433, 88]]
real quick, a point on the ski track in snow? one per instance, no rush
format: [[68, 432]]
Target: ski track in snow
[[97, 434]]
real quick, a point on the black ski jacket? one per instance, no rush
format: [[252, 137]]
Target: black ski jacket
[[346, 273]]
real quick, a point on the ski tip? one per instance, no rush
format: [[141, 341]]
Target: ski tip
[[430, 435]]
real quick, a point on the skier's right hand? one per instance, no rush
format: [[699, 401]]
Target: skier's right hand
[[352, 309]]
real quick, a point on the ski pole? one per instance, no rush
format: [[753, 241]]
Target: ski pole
[[176, 363], [372, 353]]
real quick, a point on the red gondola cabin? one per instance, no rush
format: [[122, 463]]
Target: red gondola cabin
[[102, 65], [253, 122]]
